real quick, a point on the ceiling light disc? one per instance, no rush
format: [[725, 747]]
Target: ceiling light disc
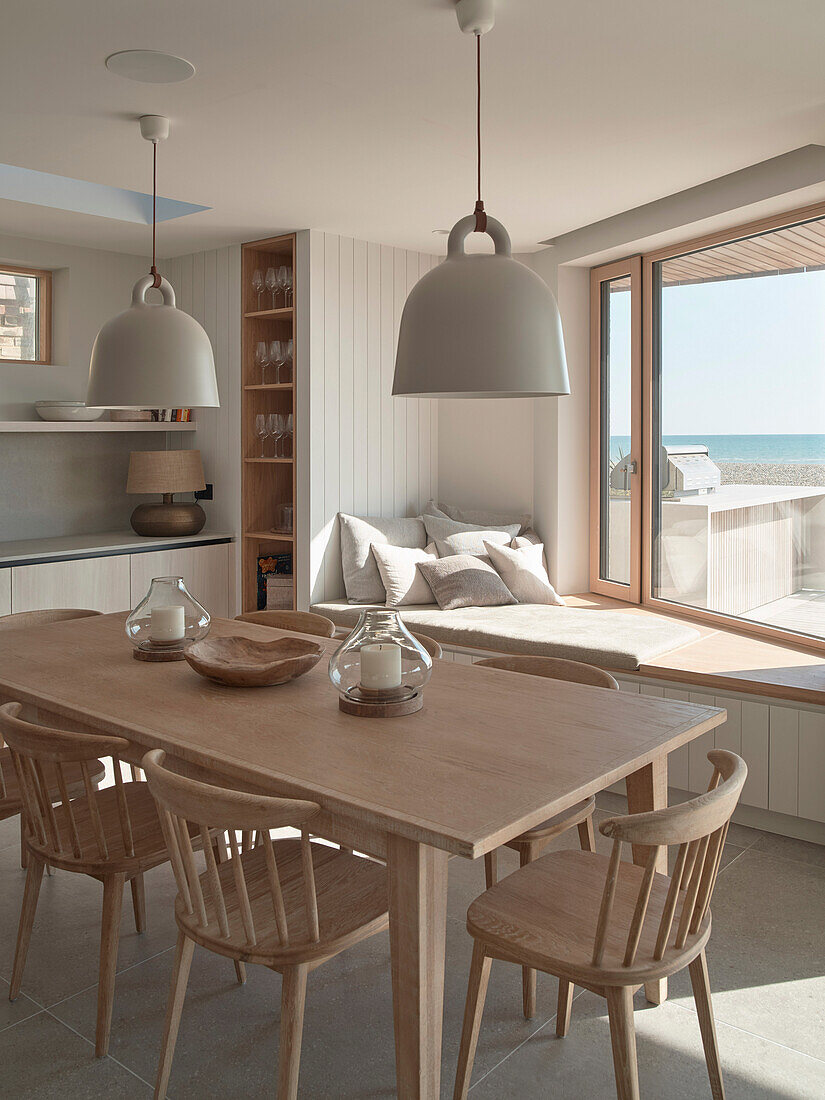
[[150, 66]]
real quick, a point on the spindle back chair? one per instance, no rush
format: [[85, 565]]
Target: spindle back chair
[[304, 622], [287, 904], [611, 926], [112, 834]]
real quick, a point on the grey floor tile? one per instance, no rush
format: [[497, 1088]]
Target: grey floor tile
[[65, 944], [765, 954], [670, 1058], [41, 1059], [12, 1012], [786, 847]]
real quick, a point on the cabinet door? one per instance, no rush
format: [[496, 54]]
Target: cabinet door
[[5, 591], [100, 584], [207, 572]]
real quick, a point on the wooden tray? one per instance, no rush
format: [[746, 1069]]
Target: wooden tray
[[244, 662]]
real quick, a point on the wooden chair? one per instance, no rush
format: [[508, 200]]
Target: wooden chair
[[530, 845], [11, 802], [304, 622], [289, 904], [431, 646], [113, 835], [609, 925]]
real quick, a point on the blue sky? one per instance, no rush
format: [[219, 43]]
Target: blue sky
[[743, 357]]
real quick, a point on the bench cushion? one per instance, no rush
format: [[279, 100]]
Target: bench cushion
[[607, 638]]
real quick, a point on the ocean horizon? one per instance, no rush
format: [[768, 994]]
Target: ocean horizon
[[775, 449]]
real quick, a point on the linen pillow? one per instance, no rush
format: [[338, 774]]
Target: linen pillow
[[361, 577], [524, 574], [439, 531], [470, 542], [462, 580], [483, 518], [398, 566]]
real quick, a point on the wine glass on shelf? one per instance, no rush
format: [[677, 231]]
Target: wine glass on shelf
[[261, 431], [258, 284], [276, 431], [283, 280], [276, 356], [289, 357], [288, 299], [289, 432], [262, 359], [271, 283]]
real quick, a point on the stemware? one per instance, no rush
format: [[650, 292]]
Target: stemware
[[276, 431], [288, 431], [277, 356], [262, 359], [283, 280], [288, 290], [289, 356], [261, 431], [258, 285], [271, 283]]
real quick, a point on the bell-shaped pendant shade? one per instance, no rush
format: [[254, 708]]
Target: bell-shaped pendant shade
[[480, 326], [152, 357]]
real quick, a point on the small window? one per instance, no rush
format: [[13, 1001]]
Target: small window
[[25, 315]]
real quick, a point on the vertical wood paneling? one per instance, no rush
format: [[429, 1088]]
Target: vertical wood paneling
[[5, 591], [756, 752], [783, 768], [399, 408], [411, 406], [678, 765], [332, 434], [699, 769], [360, 382], [812, 765], [424, 420], [387, 353], [317, 455], [729, 736], [346, 311]]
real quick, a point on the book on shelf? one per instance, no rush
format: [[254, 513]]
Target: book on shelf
[[272, 565]]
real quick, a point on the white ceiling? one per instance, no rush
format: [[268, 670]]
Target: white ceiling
[[356, 116]]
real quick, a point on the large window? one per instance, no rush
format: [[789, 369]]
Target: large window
[[25, 315], [732, 453]]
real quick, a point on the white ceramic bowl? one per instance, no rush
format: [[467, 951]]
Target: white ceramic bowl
[[66, 410]]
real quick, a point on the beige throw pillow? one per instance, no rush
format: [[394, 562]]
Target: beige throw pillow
[[462, 580], [398, 566], [445, 532], [523, 572]]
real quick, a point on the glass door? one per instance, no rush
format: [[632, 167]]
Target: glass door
[[615, 431]]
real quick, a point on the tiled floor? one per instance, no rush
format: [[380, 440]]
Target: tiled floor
[[767, 965]]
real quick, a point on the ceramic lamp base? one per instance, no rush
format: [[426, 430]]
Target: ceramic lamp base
[[168, 519], [380, 704]]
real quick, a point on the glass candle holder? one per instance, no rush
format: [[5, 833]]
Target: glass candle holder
[[380, 669], [166, 620]]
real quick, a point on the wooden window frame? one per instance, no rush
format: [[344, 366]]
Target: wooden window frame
[[642, 371], [631, 268], [44, 314]]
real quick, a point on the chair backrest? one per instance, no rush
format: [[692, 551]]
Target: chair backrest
[[183, 802], [38, 618], [58, 826], [305, 622], [699, 828], [554, 668], [431, 646]]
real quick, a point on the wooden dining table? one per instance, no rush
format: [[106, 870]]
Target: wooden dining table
[[491, 754]]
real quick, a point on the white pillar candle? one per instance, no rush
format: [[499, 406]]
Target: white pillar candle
[[381, 666], [167, 624]]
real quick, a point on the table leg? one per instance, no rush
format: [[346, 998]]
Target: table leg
[[647, 790], [418, 926]]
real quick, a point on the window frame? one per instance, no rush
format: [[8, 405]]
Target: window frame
[[642, 364], [44, 314], [629, 268]]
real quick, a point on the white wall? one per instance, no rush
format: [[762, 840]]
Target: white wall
[[369, 453]]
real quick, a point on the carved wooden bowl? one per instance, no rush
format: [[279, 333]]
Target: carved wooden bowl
[[246, 662]]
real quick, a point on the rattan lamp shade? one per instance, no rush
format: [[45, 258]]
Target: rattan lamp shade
[[165, 472]]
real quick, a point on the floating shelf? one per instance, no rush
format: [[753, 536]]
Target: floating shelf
[[268, 536], [96, 426], [272, 386], [268, 460], [284, 314]]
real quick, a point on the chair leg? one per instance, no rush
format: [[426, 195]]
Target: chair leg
[[704, 1010], [293, 999], [240, 972], [564, 1007], [139, 902], [31, 892], [491, 868], [586, 836], [24, 851], [623, 1039], [473, 1010], [527, 853], [177, 992], [113, 886]]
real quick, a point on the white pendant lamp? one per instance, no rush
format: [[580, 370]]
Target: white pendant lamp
[[152, 356], [481, 325]]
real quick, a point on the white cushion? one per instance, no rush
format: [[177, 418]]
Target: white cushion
[[402, 580], [481, 517], [523, 572], [463, 580], [443, 532], [358, 533]]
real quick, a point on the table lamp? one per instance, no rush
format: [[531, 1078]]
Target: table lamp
[[166, 472]]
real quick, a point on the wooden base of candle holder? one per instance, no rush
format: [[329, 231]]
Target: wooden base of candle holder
[[365, 703], [157, 654]]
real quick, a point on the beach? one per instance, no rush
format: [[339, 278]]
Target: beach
[[773, 473]]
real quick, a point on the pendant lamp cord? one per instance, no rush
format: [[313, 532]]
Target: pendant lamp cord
[[153, 269], [481, 217]]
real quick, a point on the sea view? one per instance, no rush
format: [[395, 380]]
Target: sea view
[[773, 449]]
